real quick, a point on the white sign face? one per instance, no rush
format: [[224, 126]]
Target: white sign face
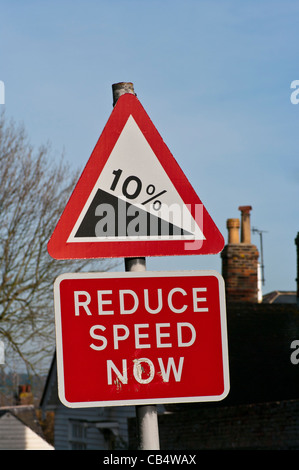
[[133, 173]]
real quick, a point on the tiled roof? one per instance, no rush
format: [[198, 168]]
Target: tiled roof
[[280, 297], [26, 414]]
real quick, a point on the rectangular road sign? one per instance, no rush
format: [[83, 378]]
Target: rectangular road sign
[[141, 338]]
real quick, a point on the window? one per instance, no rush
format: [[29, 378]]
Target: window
[[78, 435]]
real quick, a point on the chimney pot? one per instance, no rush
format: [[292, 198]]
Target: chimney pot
[[245, 224], [233, 226]]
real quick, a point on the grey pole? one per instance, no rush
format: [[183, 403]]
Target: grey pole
[[146, 415]]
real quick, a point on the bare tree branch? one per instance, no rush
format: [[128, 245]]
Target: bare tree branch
[[34, 189]]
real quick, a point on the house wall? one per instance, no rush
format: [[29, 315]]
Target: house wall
[[121, 414], [63, 432], [14, 435], [96, 439]]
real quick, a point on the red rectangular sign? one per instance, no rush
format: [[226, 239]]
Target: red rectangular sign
[[141, 338]]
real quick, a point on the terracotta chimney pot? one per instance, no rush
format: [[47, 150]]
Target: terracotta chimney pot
[[245, 224], [233, 226]]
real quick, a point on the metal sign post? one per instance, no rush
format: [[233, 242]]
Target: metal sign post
[[146, 415]]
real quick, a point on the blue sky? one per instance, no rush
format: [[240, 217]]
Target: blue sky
[[214, 76]]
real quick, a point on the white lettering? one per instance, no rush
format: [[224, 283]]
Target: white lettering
[[196, 299], [95, 336], [160, 335], [122, 302], [138, 335], [116, 337], [193, 337], [82, 303], [146, 302], [171, 365], [122, 377], [186, 335], [138, 370], [102, 302], [144, 370], [170, 295], [131, 302]]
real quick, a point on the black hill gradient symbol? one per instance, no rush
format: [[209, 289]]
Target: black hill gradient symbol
[[110, 216]]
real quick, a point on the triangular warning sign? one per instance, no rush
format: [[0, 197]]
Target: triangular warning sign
[[132, 199]]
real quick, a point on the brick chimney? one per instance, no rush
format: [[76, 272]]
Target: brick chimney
[[240, 261]]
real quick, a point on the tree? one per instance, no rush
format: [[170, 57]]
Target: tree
[[34, 189]]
